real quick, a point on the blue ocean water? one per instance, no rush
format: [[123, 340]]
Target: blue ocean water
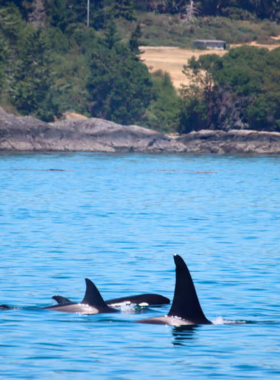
[[118, 220]]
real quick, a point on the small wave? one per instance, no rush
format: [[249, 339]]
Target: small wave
[[222, 321], [128, 309]]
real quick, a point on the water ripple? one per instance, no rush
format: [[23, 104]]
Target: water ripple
[[118, 220]]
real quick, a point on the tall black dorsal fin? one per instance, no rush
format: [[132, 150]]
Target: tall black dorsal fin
[[61, 300], [92, 296], [185, 302]]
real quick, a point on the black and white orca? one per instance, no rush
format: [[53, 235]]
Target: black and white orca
[[185, 309], [92, 303], [139, 299]]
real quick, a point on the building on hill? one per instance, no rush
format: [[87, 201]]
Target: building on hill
[[210, 44]]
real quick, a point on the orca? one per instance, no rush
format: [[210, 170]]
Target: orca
[[6, 307], [185, 309], [61, 300], [92, 303], [139, 299]]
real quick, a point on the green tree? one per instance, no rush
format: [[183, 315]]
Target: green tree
[[134, 40], [124, 9], [239, 90], [63, 13], [12, 26], [23, 6], [3, 62], [13, 33], [31, 90], [241, 9], [59, 13], [111, 34], [119, 87], [164, 111], [198, 98]]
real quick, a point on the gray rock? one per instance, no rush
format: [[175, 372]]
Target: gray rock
[[98, 135], [94, 135], [233, 141]]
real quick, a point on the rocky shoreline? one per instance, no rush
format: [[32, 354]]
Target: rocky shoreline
[[232, 142], [26, 134]]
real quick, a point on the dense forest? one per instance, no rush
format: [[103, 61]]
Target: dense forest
[[55, 57], [237, 9], [239, 90]]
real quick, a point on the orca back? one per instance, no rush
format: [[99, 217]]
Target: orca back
[[148, 299]]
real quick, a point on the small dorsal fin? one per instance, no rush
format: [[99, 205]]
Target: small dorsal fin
[[61, 300], [185, 302], [92, 296]]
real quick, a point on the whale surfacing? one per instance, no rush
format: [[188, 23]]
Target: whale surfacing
[[139, 299], [92, 303], [185, 309]]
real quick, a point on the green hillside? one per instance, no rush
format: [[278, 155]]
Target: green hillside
[[51, 61]]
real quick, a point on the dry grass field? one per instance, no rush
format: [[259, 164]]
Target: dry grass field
[[172, 59]]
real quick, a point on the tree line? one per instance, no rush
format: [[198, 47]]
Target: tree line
[[237, 91], [51, 62], [236, 9], [63, 11]]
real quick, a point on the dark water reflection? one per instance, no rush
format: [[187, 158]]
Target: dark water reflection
[[183, 334]]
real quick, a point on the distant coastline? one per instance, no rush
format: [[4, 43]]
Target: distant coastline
[[27, 134]]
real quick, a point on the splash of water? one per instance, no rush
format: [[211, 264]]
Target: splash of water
[[128, 309], [222, 321]]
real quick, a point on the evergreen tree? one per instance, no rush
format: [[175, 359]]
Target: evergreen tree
[[3, 60], [24, 6], [31, 91], [119, 87], [63, 13], [124, 9], [134, 40], [163, 113], [98, 14], [111, 34], [12, 26], [59, 13], [13, 33]]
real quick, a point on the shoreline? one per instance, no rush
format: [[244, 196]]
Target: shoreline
[[27, 135]]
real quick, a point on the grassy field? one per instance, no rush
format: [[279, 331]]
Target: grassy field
[[172, 59], [167, 42]]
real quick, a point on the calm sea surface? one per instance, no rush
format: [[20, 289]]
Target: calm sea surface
[[118, 220]]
